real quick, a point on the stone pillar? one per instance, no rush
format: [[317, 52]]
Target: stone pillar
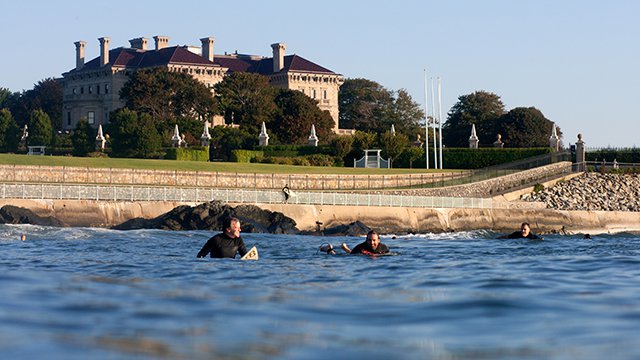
[[580, 153], [207, 48], [554, 140], [139, 43], [278, 56], [100, 139], [161, 42], [313, 139], [473, 139], [104, 50], [498, 143], [263, 139], [205, 138], [80, 54]]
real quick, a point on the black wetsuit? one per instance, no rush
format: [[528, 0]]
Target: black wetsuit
[[222, 246], [518, 235], [365, 248]]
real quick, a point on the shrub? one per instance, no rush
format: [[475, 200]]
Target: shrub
[[196, 153]]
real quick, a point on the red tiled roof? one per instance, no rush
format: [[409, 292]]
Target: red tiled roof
[[134, 58]]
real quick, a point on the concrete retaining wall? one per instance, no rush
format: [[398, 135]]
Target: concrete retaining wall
[[384, 219]]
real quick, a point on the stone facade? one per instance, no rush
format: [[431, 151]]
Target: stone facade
[[91, 90]]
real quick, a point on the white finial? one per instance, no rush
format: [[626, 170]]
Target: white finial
[[176, 139], [100, 135], [205, 133], [554, 140], [313, 139], [393, 129], [263, 138], [473, 132]]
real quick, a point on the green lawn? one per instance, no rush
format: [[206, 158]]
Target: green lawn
[[13, 159]]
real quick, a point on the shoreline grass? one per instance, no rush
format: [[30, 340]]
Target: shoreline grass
[[227, 167]]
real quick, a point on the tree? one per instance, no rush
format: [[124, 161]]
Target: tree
[[405, 114], [413, 153], [481, 108], [4, 95], [393, 144], [47, 95], [296, 113], [9, 132], [226, 139], [525, 127], [165, 95], [246, 99], [133, 135], [83, 139], [40, 129], [364, 105]]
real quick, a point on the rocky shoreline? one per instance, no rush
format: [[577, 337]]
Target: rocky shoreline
[[592, 191]]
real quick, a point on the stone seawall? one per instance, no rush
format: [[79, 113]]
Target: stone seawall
[[384, 219], [592, 191], [63, 174]]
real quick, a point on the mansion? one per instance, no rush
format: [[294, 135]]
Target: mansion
[[92, 88]]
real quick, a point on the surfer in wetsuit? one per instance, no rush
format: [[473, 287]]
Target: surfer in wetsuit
[[524, 233], [226, 244], [371, 246]]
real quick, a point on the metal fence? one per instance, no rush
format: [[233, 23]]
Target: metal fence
[[197, 195]]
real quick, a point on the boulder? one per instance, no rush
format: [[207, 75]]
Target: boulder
[[356, 228], [211, 215], [10, 214]]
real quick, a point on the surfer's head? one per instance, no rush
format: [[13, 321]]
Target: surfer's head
[[373, 239], [526, 229], [232, 227]]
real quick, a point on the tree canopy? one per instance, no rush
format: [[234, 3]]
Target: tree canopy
[[133, 135], [46, 95], [9, 132], [368, 106], [166, 95], [83, 139], [40, 129], [525, 127], [481, 108], [296, 113], [246, 99]]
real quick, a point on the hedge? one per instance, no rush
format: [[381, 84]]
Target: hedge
[[621, 156], [464, 158], [246, 156], [195, 153]]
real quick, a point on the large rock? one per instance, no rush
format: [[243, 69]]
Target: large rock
[[10, 214], [211, 215], [356, 228]]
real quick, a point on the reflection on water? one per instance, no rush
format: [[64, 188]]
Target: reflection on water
[[95, 293]]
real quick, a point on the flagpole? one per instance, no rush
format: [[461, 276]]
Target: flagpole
[[440, 117], [426, 121], [433, 118]]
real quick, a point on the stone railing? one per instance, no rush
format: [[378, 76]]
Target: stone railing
[[119, 176]]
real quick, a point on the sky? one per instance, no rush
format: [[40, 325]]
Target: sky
[[577, 61]]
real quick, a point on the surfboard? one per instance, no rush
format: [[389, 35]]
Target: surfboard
[[252, 254]]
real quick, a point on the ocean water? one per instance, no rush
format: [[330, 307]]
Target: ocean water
[[82, 293]]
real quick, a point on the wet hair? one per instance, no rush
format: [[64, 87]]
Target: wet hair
[[371, 233], [228, 221], [525, 223]]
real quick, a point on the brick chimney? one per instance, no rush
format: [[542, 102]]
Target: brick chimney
[[161, 42], [80, 54], [139, 43], [278, 56], [207, 48], [104, 50]]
